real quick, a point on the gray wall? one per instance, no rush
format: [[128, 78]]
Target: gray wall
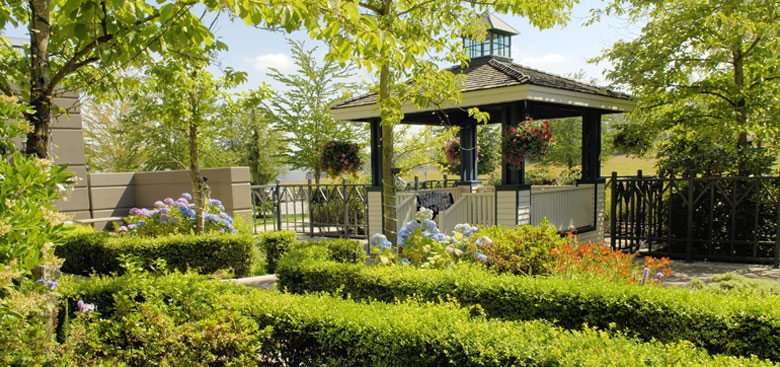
[[67, 146], [114, 194]]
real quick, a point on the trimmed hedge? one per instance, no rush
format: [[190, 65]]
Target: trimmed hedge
[[729, 324], [323, 330], [85, 253], [277, 244]]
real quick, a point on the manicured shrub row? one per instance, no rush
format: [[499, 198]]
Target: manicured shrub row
[[323, 330], [85, 253], [277, 244], [729, 324]]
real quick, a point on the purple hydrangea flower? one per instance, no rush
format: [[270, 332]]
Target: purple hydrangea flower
[[182, 200], [135, 211], [49, 283], [140, 223], [186, 196], [481, 257], [131, 227], [86, 307], [158, 203], [122, 229], [168, 201]]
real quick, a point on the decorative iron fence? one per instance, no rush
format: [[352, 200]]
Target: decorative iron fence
[[333, 210], [716, 218]]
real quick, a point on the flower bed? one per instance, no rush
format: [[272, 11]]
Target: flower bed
[[720, 323], [317, 330]]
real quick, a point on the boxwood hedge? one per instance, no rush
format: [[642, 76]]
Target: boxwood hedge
[[277, 244], [728, 324], [98, 252], [314, 330]]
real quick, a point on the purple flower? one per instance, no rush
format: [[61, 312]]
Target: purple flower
[[140, 223], [131, 227], [646, 273], [182, 200], [49, 283], [659, 275], [164, 210], [481, 257], [135, 211], [86, 307], [158, 203], [168, 201], [223, 215], [122, 229], [186, 196], [174, 220]]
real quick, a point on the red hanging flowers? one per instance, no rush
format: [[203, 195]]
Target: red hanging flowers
[[337, 157], [528, 140]]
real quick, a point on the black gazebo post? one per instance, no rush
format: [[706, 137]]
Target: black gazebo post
[[591, 147], [376, 153], [468, 153], [511, 115]]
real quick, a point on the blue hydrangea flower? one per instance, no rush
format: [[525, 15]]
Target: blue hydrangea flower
[[430, 226], [481, 257], [186, 196], [49, 283], [440, 237], [140, 223]]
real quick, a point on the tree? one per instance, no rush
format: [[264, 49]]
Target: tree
[[566, 149], [400, 42], [76, 44], [255, 144], [301, 113], [107, 146], [179, 95], [704, 67]]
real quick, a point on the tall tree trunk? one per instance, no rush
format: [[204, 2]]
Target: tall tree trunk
[[388, 184], [739, 108], [40, 30], [198, 183], [317, 174]]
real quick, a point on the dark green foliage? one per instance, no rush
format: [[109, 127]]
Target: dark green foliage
[[317, 330], [522, 249], [275, 244], [734, 325], [85, 253], [148, 321]]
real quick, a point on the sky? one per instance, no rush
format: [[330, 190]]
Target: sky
[[559, 50]]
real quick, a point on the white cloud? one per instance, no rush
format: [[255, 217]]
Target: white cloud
[[280, 61], [544, 60]]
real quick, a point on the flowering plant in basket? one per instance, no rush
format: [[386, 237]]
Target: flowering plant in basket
[[528, 140], [338, 157], [452, 155]]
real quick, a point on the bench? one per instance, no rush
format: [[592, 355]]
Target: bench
[[436, 201]]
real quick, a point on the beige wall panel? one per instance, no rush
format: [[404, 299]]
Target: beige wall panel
[[242, 194], [68, 146], [106, 198], [78, 200], [111, 179], [81, 174], [71, 121]]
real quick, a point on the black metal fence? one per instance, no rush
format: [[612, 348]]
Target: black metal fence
[[334, 210], [715, 218]]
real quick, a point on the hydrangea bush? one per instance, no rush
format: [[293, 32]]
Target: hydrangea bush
[[176, 216], [421, 244]]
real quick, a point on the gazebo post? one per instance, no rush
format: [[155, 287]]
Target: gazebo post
[[512, 114], [375, 204], [513, 196], [468, 154], [591, 147]]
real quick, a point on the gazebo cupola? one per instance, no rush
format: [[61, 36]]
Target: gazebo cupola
[[498, 42]]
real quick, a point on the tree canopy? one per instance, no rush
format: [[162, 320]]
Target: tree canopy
[[703, 67]]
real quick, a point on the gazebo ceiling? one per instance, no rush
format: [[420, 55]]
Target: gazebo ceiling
[[493, 83]]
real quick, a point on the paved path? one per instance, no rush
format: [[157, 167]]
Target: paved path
[[684, 273]]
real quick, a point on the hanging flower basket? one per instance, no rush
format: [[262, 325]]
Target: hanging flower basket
[[452, 155], [337, 157], [528, 140]]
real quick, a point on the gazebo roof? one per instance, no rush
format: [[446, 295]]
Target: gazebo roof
[[492, 80], [496, 24]]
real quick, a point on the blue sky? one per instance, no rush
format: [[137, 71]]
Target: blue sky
[[559, 50]]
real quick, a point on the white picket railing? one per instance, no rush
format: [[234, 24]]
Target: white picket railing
[[477, 209], [406, 210], [566, 208]]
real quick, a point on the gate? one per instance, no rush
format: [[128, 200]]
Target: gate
[[332, 210], [716, 218]]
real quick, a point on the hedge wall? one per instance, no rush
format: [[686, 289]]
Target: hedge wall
[[277, 244], [85, 253], [323, 330], [734, 325]]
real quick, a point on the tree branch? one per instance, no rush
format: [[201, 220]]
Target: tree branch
[[5, 87], [751, 47]]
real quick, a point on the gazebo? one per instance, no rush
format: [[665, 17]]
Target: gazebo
[[509, 93]]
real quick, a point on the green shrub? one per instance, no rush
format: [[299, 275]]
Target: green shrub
[[341, 250], [275, 244], [735, 325], [522, 249], [327, 331], [148, 321], [85, 253], [738, 284]]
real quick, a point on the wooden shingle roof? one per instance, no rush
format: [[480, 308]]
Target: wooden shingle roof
[[492, 72]]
